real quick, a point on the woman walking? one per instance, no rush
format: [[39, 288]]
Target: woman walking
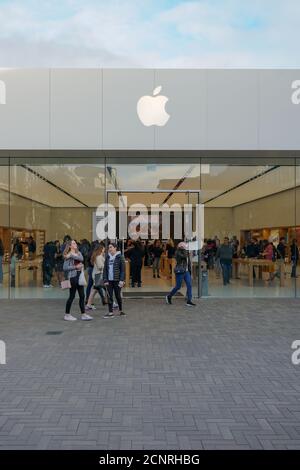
[[182, 271], [97, 260], [113, 277], [73, 267]]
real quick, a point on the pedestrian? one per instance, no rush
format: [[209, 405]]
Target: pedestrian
[[294, 257], [97, 260], [182, 272], [114, 277], [170, 248], [73, 268], [156, 253], [225, 254]]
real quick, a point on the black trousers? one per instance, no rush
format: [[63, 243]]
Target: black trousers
[[136, 273], [113, 287], [47, 273], [75, 287]]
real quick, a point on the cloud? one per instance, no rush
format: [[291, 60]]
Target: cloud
[[149, 33]]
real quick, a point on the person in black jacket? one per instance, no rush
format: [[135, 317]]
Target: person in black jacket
[[136, 255], [294, 257], [114, 277], [156, 252]]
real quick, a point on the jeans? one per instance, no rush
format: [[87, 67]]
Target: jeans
[[294, 267], [186, 277], [113, 287], [90, 282], [1, 270], [155, 267], [226, 271], [75, 287], [47, 273]]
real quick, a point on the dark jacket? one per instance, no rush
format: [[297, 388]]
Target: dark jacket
[[118, 268], [157, 251], [136, 255], [294, 252], [225, 253], [183, 260], [1, 248], [280, 251]]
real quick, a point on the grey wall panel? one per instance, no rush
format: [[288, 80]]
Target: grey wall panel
[[24, 118], [76, 102], [232, 109], [279, 118], [122, 128], [186, 128]]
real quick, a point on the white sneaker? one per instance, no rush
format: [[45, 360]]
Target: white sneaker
[[93, 307], [115, 305], [85, 316], [69, 317]]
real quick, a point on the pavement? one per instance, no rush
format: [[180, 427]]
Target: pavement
[[217, 376]]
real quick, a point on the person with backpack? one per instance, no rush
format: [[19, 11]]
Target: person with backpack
[[73, 268], [114, 277], [182, 270]]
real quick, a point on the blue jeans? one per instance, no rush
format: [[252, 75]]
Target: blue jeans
[[188, 280], [90, 282], [226, 271], [1, 270]]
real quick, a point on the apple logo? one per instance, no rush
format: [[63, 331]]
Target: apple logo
[[151, 109]]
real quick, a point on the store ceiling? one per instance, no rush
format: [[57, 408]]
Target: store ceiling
[[84, 185]]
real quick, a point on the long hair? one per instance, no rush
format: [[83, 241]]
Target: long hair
[[68, 248], [97, 252]]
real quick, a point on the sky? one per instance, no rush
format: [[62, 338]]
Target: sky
[[150, 33]]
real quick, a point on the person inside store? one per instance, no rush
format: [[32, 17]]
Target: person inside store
[[73, 269], [156, 253], [18, 248], [171, 250], [269, 254], [294, 251], [136, 255], [31, 250], [59, 262], [183, 272], [280, 253], [225, 254], [48, 263], [253, 250]]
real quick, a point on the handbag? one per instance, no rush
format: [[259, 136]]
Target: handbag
[[82, 280], [99, 282], [66, 284]]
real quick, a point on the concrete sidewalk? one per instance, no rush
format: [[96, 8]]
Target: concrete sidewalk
[[164, 377]]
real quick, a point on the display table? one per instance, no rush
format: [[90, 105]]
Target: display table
[[35, 264], [260, 263]]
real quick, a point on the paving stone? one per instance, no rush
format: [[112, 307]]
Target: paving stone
[[219, 377]]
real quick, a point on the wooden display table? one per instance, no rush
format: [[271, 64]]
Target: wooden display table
[[260, 263], [35, 264]]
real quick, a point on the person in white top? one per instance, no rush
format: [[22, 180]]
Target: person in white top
[[97, 260]]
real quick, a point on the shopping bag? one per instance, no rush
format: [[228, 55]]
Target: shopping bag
[[66, 284], [82, 280]]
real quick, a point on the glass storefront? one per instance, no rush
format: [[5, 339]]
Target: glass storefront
[[254, 202]]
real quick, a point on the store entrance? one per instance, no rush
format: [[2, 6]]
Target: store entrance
[[149, 226]]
